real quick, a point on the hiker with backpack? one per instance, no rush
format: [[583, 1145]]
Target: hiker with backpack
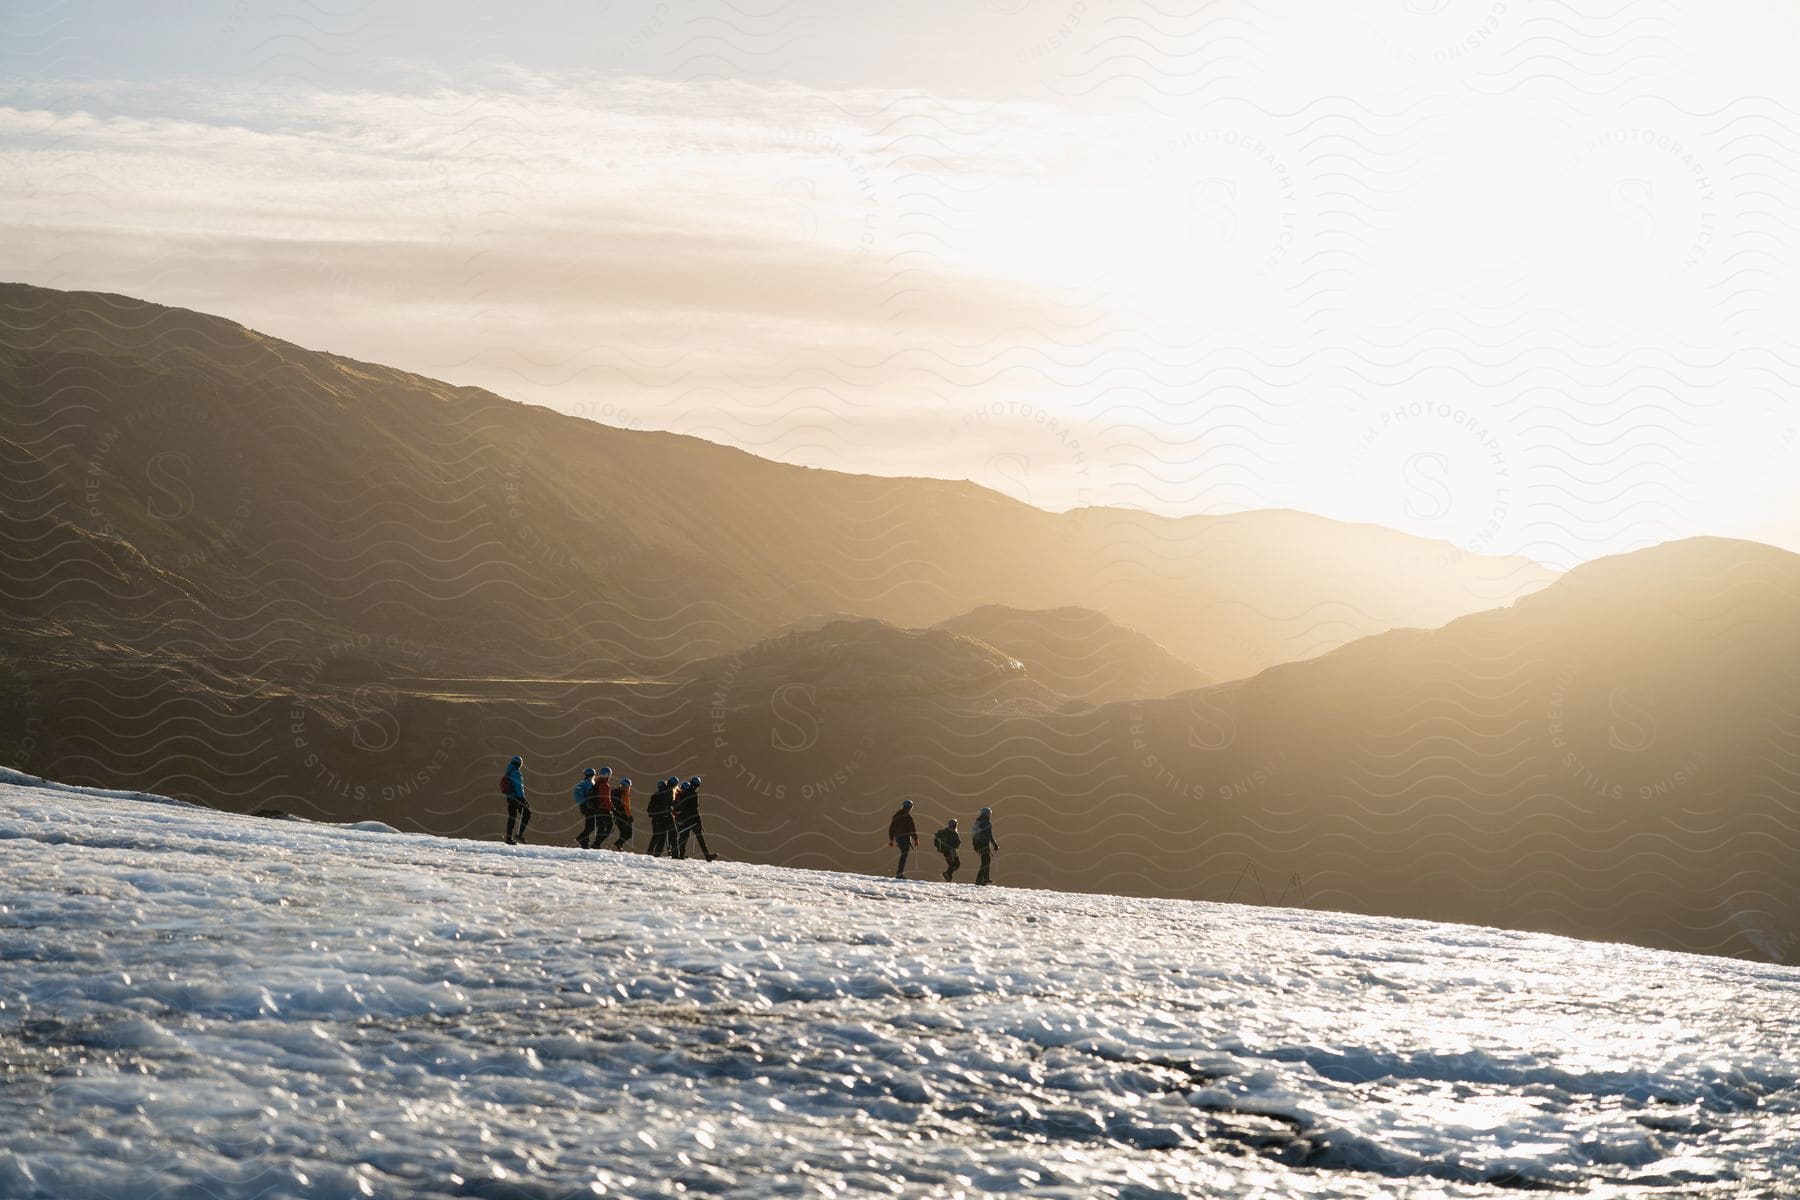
[[593, 795], [661, 811], [621, 813], [948, 842], [512, 786], [984, 843], [614, 797], [904, 834], [687, 820]]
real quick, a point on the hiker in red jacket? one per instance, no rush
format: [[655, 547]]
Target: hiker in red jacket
[[594, 797], [904, 834]]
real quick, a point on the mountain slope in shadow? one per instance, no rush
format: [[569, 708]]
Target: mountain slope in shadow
[[1617, 756], [1079, 653], [210, 484]]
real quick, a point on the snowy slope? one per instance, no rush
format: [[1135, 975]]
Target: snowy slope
[[197, 1004]]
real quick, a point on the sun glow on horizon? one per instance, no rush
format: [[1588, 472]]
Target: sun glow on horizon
[[1453, 266]]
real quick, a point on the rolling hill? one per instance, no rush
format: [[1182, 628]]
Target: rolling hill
[[1079, 652], [1617, 756], [175, 466], [223, 549]]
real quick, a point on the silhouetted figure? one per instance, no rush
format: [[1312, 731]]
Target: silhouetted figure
[[584, 804], [594, 797], [661, 811], [904, 834], [984, 843], [512, 786], [621, 813], [687, 820], [948, 842]]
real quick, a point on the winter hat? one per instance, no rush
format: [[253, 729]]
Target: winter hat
[[588, 774], [606, 772], [694, 782], [906, 804], [517, 761], [987, 812], [952, 824], [624, 783]]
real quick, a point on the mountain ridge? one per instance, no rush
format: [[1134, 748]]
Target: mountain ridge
[[474, 474], [379, 370]]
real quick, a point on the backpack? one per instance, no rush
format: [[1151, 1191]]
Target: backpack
[[941, 842], [505, 785], [581, 792]]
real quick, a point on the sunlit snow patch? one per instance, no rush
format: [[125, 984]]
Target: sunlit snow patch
[[199, 1004]]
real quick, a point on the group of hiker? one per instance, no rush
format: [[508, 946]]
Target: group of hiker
[[904, 833], [604, 802], [605, 806]]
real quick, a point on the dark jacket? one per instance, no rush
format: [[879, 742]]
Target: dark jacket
[[947, 840], [687, 804], [983, 838], [902, 827], [514, 783], [660, 801]]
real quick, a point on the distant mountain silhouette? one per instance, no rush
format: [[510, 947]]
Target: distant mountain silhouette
[[1617, 756], [203, 479], [1079, 652], [865, 659]]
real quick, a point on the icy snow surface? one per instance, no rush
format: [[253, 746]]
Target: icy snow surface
[[198, 1004]]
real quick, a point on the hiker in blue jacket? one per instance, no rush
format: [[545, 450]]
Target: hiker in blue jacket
[[512, 786], [984, 843]]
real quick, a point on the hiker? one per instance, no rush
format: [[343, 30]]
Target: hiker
[[512, 786], [687, 820], [662, 819], [621, 813], [984, 843], [593, 795], [904, 834], [677, 805], [584, 804], [948, 842]]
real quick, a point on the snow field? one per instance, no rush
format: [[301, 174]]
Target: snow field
[[200, 1004]]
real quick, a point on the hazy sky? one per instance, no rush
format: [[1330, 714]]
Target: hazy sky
[[1520, 274]]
